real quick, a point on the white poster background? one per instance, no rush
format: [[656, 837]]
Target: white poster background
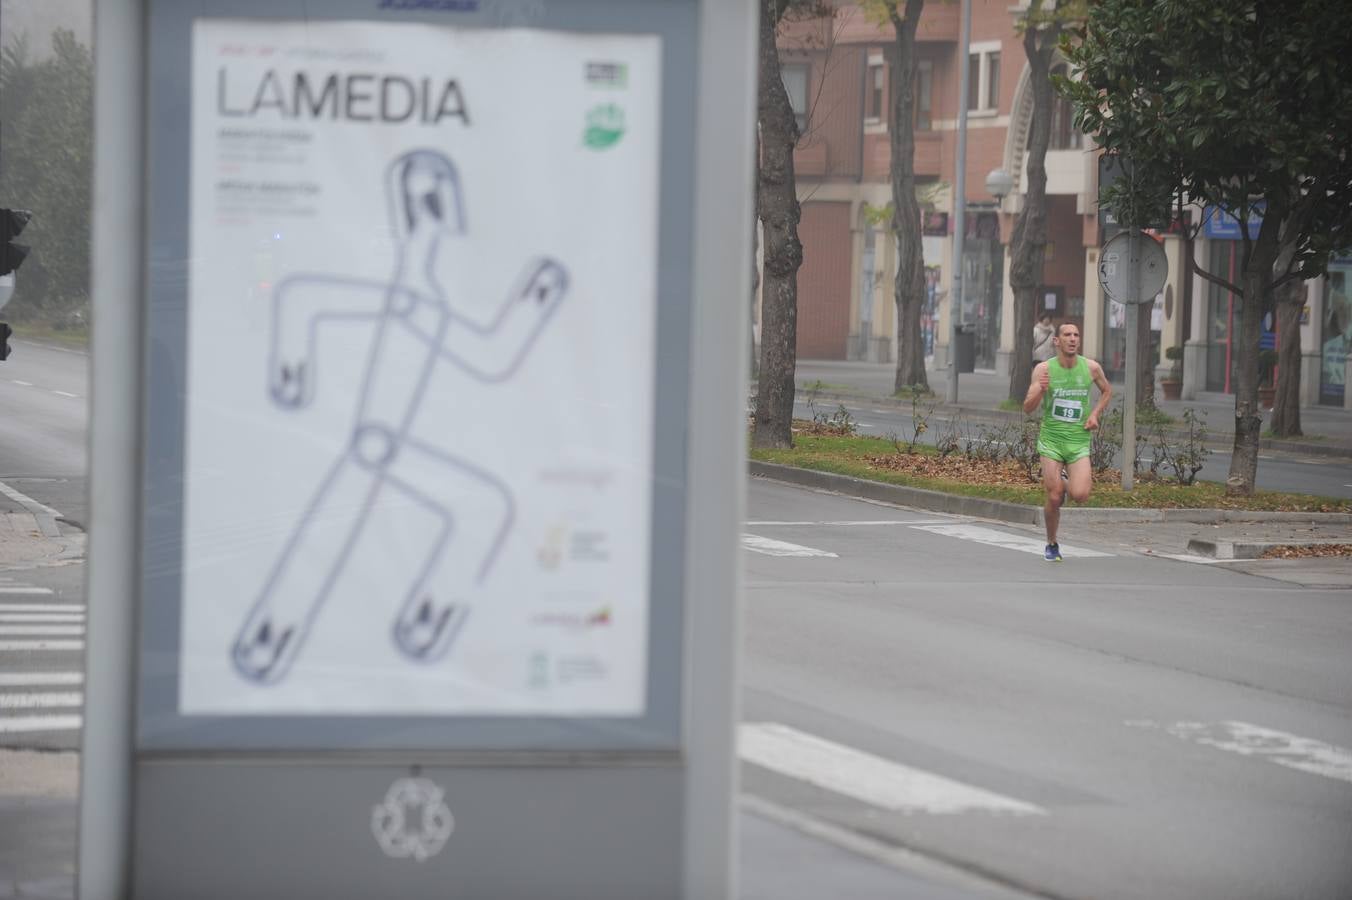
[[558, 620]]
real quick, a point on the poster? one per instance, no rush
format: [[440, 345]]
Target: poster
[[421, 331]]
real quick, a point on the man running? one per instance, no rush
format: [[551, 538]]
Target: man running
[[1061, 385]]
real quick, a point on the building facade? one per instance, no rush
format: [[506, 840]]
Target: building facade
[[836, 73]]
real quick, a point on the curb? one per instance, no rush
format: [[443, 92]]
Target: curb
[[999, 510], [1248, 549], [1222, 441]]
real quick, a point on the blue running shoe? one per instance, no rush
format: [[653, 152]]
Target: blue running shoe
[[1052, 553]]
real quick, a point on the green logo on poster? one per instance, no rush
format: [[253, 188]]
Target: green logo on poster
[[605, 126]]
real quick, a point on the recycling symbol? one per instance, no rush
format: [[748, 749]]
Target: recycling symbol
[[414, 821]]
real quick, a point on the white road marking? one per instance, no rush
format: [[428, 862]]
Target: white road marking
[[849, 523], [1007, 541], [40, 700], [1203, 560], [24, 383], [64, 394], [26, 501], [36, 630], [25, 589], [51, 618], [40, 723], [41, 607], [865, 777], [1290, 750], [28, 646], [771, 547], [40, 679]]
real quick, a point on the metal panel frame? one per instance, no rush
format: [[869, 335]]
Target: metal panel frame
[[722, 149]]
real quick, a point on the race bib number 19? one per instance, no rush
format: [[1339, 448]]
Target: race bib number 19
[[1067, 410]]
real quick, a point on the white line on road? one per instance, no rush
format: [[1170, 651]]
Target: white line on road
[[26, 501], [863, 776], [40, 723], [770, 547], [40, 679], [1290, 750], [64, 394], [28, 646], [50, 618], [40, 700], [25, 589], [36, 630], [849, 523], [1001, 539], [24, 383]]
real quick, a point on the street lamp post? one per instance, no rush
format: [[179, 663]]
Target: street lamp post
[[960, 205]]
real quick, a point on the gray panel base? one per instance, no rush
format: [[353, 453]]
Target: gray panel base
[[273, 830]]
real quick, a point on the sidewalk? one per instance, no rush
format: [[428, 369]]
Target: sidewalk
[[1328, 430]]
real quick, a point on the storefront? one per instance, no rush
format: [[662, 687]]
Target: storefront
[[1335, 338], [983, 278]]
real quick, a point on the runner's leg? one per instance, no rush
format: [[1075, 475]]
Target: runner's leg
[[1081, 479], [1056, 495]]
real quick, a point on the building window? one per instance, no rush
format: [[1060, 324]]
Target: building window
[[795, 83], [1065, 136], [924, 87], [983, 78], [876, 83]]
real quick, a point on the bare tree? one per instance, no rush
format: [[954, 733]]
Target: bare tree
[[909, 285], [779, 213], [1042, 25]]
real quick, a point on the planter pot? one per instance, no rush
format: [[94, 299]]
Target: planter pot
[[1266, 396], [1173, 390]]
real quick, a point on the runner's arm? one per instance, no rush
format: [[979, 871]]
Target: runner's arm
[[1105, 395], [1037, 388]]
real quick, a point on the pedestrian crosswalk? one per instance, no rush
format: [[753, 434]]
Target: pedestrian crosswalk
[[41, 658], [954, 528]]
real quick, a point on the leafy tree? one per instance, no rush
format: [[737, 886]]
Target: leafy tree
[[46, 113], [1241, 104], [1041, 26]]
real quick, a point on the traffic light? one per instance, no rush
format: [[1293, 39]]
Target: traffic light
[[12, 221]]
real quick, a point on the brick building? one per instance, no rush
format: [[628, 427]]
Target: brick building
[[836, 75]]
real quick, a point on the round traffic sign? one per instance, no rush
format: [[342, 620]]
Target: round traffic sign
[[1116, 263]]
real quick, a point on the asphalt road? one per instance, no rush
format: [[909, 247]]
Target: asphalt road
[[1324, 476], [43, 455], [925, 690], [44, 396], [1112, 726]]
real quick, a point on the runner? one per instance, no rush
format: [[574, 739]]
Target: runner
[[1061, 386]]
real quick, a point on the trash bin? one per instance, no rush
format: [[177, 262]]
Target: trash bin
[[966, 349]]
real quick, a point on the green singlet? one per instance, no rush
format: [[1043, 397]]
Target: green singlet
[[1065, 407]]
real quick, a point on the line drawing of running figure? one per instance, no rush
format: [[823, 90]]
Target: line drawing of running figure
[[413, 320]]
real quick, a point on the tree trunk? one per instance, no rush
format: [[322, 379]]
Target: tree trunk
[[1286, 404], [909, 288], [777, 207], [755, 268], [1028, 245], [1145, 363], [1256, 280]]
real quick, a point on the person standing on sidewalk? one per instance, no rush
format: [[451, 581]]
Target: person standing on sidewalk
[[1043, 332], [1061, 385]]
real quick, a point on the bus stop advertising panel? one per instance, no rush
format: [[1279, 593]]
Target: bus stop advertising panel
[[411, 599]]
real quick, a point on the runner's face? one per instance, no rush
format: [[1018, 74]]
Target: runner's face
[[1068, 339]]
